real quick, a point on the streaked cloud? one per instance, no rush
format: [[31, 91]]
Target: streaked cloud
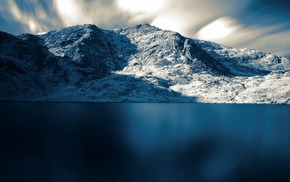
[[71, 12], [140, 6], [100, 12], [218, 29], [35, 19], [258, 24]]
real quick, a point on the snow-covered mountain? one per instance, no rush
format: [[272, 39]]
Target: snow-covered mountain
[[136, 64]]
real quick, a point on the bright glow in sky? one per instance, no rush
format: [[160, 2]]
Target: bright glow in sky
[[257, 24], [32, 25], [168, 21], [71, 12], [217, 29], [141, 6]]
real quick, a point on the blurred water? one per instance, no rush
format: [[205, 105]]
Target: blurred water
[[144, 142]]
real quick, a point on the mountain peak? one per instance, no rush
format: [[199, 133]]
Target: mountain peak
[[141, 28], [141, 63], [146, 26], [73, 30]]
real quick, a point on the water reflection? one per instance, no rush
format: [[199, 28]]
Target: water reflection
[[144, 142]]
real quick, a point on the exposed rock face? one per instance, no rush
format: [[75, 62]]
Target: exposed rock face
[[136, 64]]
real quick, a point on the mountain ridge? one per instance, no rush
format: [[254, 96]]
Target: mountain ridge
[[141, 63]]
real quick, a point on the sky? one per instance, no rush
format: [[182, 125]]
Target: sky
[[257, 24]]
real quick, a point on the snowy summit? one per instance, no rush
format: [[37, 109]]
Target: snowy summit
[[136, 64]]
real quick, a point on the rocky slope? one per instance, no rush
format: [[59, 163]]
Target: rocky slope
[[136, 64]]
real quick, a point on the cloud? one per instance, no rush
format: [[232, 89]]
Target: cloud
[[192, 15], [147, 7], [71, 12], [248, 23], [229, 22], [35, 19], [272, 38], [263, 38], [218, 29], [44, 15], [99, 12]]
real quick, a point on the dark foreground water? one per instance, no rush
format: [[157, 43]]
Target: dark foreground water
[[59, 142]]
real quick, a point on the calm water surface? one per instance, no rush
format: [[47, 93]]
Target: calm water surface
[[59, 142]]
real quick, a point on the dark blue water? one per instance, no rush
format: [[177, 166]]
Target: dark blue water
[[60, 142]]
